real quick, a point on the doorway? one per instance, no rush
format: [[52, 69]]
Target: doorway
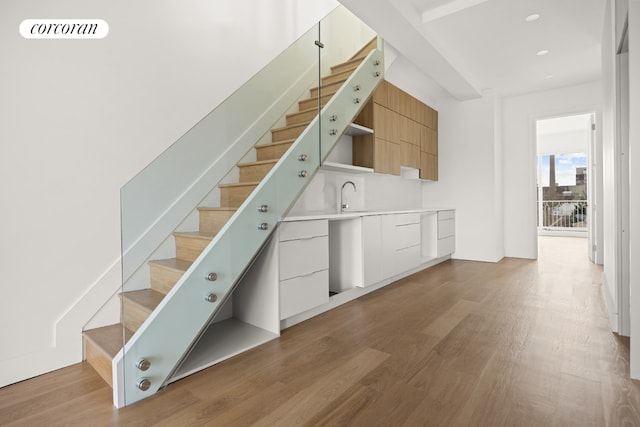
[[563, 168]]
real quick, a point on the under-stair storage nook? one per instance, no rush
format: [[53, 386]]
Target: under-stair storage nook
[[202, 302]]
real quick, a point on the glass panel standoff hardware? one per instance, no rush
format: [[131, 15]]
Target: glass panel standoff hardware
[[263, 226], [356, 101], [333, 132], [376, 74], [212, 277], [143, 384], [302, 157], [143, 364], [263, 208], [376, 62], [333, 118], [302, 174], [356, 88], [211, 298]]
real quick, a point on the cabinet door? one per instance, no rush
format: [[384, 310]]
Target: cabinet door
[[380, 95], [388, 242], [371, 250], [410, 155], [383, 122], [297, 230], [407, 235], [407, 258], [393, 97], [406, 129], [429, 141], [428, 166], [300, 257], [303, 293], [446, 246], [387, 157]]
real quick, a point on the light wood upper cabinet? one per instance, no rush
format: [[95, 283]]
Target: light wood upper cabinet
[[410, 155], [405, 134], [380, 95]]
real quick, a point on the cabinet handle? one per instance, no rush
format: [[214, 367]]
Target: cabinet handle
[[301, 239], [310, 274]]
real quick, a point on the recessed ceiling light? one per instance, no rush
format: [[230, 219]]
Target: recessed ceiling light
[[532, 17], [543, 52], [550, 76]]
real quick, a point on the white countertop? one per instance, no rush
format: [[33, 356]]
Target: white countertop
[[333, 215]]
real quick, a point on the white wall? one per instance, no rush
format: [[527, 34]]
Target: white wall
[[79, 119], [469, 177], [520, 114], [374, 191], [610, 163], [634, 182]]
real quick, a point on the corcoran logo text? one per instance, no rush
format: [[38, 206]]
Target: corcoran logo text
[[64, 28]]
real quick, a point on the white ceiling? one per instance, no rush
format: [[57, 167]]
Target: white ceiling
[[467, 46]]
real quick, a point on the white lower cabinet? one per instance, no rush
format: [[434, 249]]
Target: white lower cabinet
[[388, 245], [372, 257], [303, 293], [407, 242], [315, 257], [446, 233], [391, 245], [303, 266]]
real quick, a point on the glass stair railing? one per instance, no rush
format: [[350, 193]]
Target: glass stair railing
[[199, 309]]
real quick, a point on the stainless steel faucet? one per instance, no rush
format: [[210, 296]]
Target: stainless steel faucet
[[343, 205]]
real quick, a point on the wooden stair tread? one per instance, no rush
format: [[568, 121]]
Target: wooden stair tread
[[332, 77], [259, 162], [354, 61], [297, 125], [108, 338], [239, 184], [195, 234], [313, 101], [172, 264], [147, 299], [298, 113], [336, 83], [329, 92], [206, 208], [270, 144]]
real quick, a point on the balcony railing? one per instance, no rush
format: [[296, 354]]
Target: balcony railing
[[562, 214]]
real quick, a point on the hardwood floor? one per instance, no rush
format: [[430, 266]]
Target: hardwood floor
[[517, 343]]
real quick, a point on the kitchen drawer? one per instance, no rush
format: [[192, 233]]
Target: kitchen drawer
[[407, 258], [410, 218], [407, 235], [303, 293], [446, 215], [300, 257], [446, 246], [303, 229], [446, 228]]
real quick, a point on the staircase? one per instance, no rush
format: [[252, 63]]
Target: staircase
[[103, 344]]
